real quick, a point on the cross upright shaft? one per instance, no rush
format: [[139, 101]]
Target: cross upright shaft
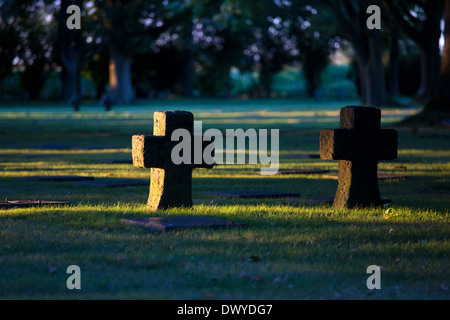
[[170, 184], [358, 144]]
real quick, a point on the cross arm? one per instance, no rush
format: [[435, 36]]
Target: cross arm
[[388, 144], [338, 144], [150, 151], [347, 144]]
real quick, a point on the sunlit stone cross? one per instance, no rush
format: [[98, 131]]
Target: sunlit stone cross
[[358, 144], [171, 184]]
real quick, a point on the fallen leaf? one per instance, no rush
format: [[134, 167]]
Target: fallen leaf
[[254, 259], [256, 277], [280, 279]]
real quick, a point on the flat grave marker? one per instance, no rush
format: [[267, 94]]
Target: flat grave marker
[[300, 155], [164, 224], [57, 178], [16, 204], [302, 171], [113, 161], [323, 200], [115, 183], [252, 194], [380, 176]]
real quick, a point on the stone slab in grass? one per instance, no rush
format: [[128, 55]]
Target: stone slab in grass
[[163, 224], [30, 156], [55, 146], [16, 204], [113, 161], [323, 200], [381, 177], [57, 178], [300, 155], [115, 183], [305, 171], [255, 194]]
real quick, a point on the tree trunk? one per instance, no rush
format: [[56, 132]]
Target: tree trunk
[[228, 82], [429, 69], [68, 55], [371, 73], [378, 92], [364, 79], [440, 101], [120, 84], [368, 50], [266, 78], [34, 78], [393, 63], [188, 74], [69, 79]]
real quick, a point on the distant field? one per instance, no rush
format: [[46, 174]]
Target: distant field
[[291, 250]]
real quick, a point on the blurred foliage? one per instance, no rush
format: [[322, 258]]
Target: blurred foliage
[[183, 47]]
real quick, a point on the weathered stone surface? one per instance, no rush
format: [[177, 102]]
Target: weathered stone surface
[[380, 177], [163, 224], [16, 204], [58, 178], [113, 160], [256, 194], [358, 144], [360, 118], [313, 171], [323, 200], [300, 155], [171, 184], [51, 146], [114, 183]]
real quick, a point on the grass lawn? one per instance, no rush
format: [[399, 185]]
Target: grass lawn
[[291, 250]]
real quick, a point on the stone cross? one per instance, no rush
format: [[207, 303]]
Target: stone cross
[[170, 184], [358, 144]]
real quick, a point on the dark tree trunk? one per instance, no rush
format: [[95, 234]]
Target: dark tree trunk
[[68, 54], [228, 82], [34, 78], [378, 91], [69, 78], [426, 34], [371, 71], [429, 68], [266, 78], [120, 84], [440, 100], [364, 79], [188, 75], [368, 48], [393, 74], [312, 77]]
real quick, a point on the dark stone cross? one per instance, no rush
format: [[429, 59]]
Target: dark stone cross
[[358, 144], [171, 184]]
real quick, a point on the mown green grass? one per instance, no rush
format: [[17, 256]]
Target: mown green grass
[[291, 250]]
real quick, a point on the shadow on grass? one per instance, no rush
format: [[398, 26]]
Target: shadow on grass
[[280, 256]]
